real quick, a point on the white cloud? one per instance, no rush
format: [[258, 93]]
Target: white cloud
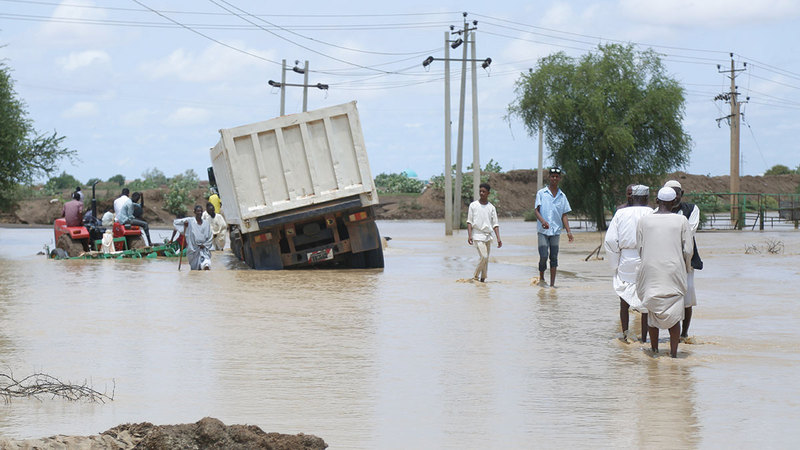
[[215, 63], [708, 13], [76, 60], [81, 109], [65, 27], [188, 116]]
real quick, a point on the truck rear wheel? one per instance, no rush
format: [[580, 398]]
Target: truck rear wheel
[[72, 247]]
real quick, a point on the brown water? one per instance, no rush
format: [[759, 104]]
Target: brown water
[[407, 357]]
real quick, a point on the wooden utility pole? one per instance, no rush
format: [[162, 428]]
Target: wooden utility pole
[[733, 119]]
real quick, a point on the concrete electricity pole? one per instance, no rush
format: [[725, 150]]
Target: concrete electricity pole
[[733, 119], [305, 85], [452, 197]]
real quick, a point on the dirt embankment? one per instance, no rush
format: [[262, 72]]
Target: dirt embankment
[[208, 433], [515, 189]]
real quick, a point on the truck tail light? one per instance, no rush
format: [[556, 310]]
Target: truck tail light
[[262, 237], [357, 216]]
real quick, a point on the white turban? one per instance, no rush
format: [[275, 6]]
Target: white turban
[[666, 194], [673, 184], [640, 190]]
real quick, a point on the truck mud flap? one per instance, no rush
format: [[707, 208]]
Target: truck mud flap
[[363, 236], [263, 255]]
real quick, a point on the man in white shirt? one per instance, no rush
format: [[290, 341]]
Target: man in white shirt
[[481, 221], [121, 201], [623, 255]]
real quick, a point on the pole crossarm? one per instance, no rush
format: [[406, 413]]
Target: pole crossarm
[[277, 84]]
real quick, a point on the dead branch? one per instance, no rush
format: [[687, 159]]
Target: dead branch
[[774, 247], [750, 249], [39, 385]]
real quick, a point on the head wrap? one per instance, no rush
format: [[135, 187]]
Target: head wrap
[[667, 194], [673, 184], [640, 190]]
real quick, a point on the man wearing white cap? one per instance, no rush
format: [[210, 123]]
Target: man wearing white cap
[[665, 246], [623, 255], [692, 213]]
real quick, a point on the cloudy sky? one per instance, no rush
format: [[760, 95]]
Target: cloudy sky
[[146, 84]]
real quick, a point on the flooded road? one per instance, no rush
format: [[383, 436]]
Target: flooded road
[[410, 356]]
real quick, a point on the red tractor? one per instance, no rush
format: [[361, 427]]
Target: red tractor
[[75, 240]]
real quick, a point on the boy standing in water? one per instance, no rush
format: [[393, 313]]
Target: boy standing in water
[[481, 221]]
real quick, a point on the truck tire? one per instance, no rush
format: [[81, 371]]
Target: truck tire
[[72, 247], [373, 259], [136, 242]]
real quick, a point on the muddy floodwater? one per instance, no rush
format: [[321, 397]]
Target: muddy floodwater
[[411, 356]]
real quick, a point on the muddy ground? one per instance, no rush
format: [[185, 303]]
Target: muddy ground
[[208, 433], [515, 189]]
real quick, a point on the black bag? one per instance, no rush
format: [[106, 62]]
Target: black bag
[[697, 263]]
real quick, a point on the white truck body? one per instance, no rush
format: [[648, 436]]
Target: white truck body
[[291, 162], [297, 190]]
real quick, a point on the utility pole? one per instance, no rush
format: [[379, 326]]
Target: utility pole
[[448, 176], [305, 84], [452, 197], [460, 143], [733, 120], [476, 158], [541, 152]]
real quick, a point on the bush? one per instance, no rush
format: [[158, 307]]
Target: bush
[[118, 178], [530, 215], [58, 183], [397, 183], [179, 195]]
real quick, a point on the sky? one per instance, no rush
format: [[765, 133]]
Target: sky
[[142, 84]]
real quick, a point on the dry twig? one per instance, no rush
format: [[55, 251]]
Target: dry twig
[[38, 385]]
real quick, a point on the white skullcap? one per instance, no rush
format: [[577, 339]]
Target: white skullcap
[[667, 194], [640, 190], [673, 184]]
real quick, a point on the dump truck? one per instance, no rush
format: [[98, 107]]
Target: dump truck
[[297, 191]]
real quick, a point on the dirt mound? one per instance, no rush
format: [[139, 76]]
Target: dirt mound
[[208, 433]]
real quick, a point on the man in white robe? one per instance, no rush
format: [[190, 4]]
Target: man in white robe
[[692, 213], [665, 247], [219, 228], [623, 255], [197, 233]]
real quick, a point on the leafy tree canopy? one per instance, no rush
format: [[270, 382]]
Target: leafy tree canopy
[[611, 118], [25, 154], [61, 182], [118, 178], [779, 169]]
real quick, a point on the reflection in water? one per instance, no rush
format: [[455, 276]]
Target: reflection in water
[[403, 357]]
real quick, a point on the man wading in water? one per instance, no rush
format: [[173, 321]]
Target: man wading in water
[[552, 207], [665, 246], [481, 220]]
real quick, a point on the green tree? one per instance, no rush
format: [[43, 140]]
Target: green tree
[[179, 194], [118, 178], [61, 182], [610, 117], [397, 183], [93, 180], [154, 178], [25, 154], [779, 169]]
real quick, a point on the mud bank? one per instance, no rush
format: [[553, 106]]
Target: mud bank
[[206, 433]]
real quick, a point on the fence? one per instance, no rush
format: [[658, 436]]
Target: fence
[[746, 211]]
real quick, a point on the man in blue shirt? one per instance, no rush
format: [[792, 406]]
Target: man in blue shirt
[[552, 207]]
